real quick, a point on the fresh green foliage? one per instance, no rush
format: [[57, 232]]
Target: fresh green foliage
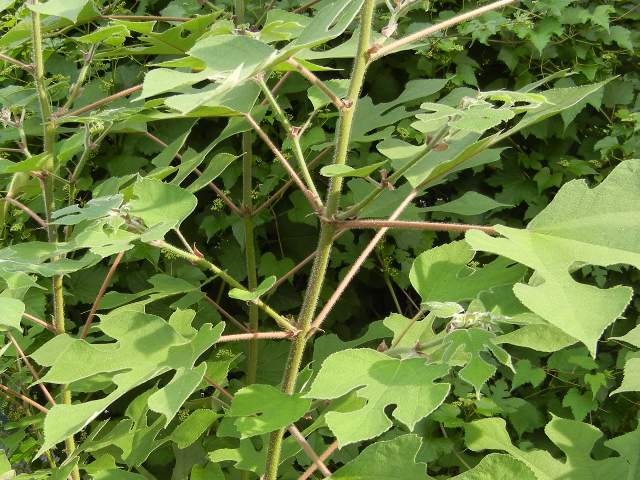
[[239, 236]]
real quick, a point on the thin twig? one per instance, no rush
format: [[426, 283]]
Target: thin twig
[[183, 240], [145, 18], [278, 194], [326, 454], [309, 75], [411, 225], [419, 35], [295, 433], [36, 377], [226, 314], [26, 67], [24, 398], [228, 202], [276, 87], [38, 219], [37, 321], [218, 387], [306, 6], [103, 101], [239, 337], [101, 292], [315, 202], [344, 283]]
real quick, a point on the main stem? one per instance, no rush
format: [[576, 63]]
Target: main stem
[[249, 235], [49, 138], [327, 231]]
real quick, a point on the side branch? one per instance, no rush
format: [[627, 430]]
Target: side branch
[[309, 75], [26, 67], [103, 101], [411, 225], [38, 219], [315, 202], [240, 337], [419, 35]]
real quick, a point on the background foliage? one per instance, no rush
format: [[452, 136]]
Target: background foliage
[[551, 408]]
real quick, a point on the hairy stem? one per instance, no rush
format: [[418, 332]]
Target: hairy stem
[[327, 232], [47, 183]]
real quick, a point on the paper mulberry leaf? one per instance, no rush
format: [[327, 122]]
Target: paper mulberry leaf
[[263, 408], [575, 439], [466, 347], [381, 380], [441, 274], [598, 226], [146, 346], [95, 208], [497, 466], [11, 311], [160, 204], [387, 459], [627, 446], [631, 379]]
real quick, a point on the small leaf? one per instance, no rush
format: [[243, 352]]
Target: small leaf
[[11, 311], [631, 379], [247, 296], [527, 373], [347, 171], [193, 426], [470, 203], [263, 409], [95, 208]]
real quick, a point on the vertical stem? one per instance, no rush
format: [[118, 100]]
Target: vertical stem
[[249, 236], [250, 251], [327, 231], [49, 138]]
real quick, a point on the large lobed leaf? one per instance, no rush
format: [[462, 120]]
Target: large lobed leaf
[[599, 226]]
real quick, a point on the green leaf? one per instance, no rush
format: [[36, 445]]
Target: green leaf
[[347, 171], [193, 426], [114, 35], [470, 203], [263, 409], [385, 460], [381, 380], [72, 10], [632, 337], [216, 166], [497, 466], [465, 346], [146, 346], [157, 203], [95, 208], [574, 439], [631, 380], [627, 446], [441, 274], [598, 226], [579, 403], [248, 296], [11, 311], [527, 373]]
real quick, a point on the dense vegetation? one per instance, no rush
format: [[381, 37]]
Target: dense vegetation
[[438, 241]]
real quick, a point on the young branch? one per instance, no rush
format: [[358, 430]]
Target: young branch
[[411, 225], [344, 283], [99, 103], [212, 186], [309, 75], [26, 67], [226, 314], [145, 18], [205, 264], [419, 35], [38, 219], [101, 292], [306, 6], [278, 193], [295, 138], [315, 202], [240, 337], [76, 88], [295, 433], [24, 398], [39, 322], [326, 454], [34, 374]]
